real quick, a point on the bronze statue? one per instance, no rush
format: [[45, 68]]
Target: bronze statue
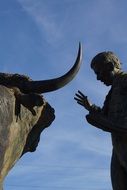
[[112, 117]]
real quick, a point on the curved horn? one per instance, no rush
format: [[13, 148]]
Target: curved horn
[[54, 84]]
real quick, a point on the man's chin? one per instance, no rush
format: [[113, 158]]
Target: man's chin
[[107, 83]]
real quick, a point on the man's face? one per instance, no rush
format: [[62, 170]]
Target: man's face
[[104, 73]]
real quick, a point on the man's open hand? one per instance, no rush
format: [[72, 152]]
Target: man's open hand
[[83, 100]]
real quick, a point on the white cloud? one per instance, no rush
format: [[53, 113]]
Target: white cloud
[[44, 18]]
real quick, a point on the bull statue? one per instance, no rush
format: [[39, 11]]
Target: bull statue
[[24, 113]]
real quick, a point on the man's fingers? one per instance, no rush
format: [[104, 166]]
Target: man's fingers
[[80, 103], [82, 94], [78, 100], [78, 96], [81, 97]]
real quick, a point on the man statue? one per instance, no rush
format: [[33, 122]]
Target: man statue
[[112, 117]]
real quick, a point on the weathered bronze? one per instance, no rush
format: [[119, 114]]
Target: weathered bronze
[[112, 117], [18, 137], [24, 113]]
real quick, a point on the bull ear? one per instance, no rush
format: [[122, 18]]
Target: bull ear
[[111, 66]]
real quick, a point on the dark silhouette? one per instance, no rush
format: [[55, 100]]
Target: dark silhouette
[[112, 117]]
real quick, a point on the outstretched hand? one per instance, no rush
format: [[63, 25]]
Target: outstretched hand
[[83, 100]]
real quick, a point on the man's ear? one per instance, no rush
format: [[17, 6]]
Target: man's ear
[[110, 66]]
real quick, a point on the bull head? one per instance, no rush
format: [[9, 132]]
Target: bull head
[[22, 135]]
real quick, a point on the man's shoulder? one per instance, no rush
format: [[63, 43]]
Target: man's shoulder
[[122, 74], [120, 81], [121, 77]]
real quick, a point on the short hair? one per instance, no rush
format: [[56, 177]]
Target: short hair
[[105, 57]]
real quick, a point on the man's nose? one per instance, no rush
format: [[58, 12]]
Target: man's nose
[[98, 77]]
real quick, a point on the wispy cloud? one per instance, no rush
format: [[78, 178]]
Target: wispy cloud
[[44, 18]]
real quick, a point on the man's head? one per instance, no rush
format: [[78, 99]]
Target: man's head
[[105, 66]]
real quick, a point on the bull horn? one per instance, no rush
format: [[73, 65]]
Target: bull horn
[[56, 83]]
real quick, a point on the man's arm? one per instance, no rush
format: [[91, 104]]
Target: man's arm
[[102, 122], [96, 116]]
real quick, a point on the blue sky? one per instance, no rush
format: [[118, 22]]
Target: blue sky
[[40, 39]]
